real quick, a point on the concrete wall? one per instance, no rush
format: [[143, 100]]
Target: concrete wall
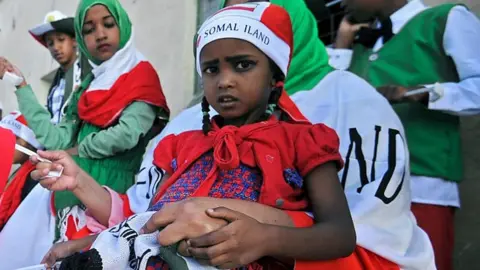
[[164, 32]]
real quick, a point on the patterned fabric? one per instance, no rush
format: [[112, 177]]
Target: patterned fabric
[[56, 98], [243, 183], [293, 178]]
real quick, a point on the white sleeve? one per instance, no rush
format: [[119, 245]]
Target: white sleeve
[[460, 41], [340, 58]]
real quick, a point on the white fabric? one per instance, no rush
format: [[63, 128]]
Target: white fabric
[[46, 26], [77, 80], [462, 34], [347, 104], [115, 244], [240, 23], [20, 130], [29, 233], [57, 96], [122, 62]]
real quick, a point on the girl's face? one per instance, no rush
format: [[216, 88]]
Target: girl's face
[[237, 80], [101, 33], [62, 47]]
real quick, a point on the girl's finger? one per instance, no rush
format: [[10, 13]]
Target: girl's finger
[[38, 174], [210, 253]]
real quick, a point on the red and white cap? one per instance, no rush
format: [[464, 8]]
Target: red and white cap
[[18, 125], [265, 25]]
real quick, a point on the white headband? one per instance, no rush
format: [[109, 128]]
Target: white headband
[[251, 22], [20, 129]]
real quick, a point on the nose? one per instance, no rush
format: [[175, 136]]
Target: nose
[[226, 79], [100, 34]]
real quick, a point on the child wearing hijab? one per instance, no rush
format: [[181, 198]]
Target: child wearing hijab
[[110, 118]]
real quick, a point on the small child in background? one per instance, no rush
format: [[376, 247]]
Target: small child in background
[[20, 183], [57, 34]]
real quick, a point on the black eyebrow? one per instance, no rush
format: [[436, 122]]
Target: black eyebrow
[[104, 18], [230, 59], [211, 62]]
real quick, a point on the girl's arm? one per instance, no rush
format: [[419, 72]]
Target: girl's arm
[[333, 234], [96, 198], [245, 239], [134, 123], [61, 136]]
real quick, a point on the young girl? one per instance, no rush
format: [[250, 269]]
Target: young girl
[[253, 151], [110, 118]]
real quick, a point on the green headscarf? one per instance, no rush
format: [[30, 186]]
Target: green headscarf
[[118, 13], [309, 64]]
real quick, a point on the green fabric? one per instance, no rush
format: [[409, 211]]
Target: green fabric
[[309, 64], [50, 136], [413, 57], [137, 119], [118, 13]]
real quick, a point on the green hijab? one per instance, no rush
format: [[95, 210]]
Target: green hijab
[[124, 25], [309, 64], [118, 13]]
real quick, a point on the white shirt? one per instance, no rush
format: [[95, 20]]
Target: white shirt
[[460, 41], [387, 228]]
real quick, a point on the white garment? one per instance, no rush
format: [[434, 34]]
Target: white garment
[[57, 96], [462, 34], [351, 106], [29, 233]]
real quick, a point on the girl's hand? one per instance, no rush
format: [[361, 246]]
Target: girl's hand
[[346, 33], [183, 220], [239, 243], [60, 251], [65, 249], [6, 66], [73, 151], [60, 159]]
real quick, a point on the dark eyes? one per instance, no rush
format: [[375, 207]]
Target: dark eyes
[[89, 28], [240, 66]]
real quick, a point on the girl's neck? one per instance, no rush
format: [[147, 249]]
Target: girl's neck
[[249, 118], [391, 7]]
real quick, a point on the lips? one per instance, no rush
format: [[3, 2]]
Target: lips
[[227, 100], [103, 47]]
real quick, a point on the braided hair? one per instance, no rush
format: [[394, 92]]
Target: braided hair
[[272, 100]]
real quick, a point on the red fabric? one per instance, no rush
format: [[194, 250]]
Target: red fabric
[[7, 150], [361, 259], [438, 222], [12, 197], [127, 211], [271, 146], [103, 107]]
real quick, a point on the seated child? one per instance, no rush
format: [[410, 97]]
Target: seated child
[[20, 183], [258, 149]]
